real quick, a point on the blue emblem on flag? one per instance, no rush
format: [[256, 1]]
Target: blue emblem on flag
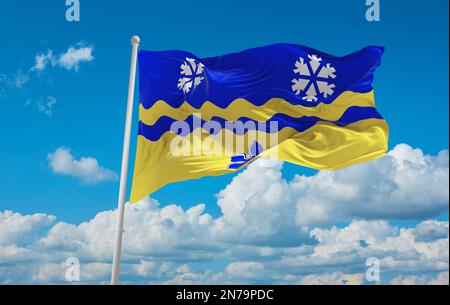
[[254, 150]]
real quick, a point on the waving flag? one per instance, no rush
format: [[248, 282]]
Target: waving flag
[[211, 116]]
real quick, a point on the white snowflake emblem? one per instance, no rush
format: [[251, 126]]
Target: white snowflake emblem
[[192, 75], [313, 78]]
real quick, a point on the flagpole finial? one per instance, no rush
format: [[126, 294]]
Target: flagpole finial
[[135, 39]]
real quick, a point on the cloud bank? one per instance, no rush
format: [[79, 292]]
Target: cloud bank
[[311, 230]]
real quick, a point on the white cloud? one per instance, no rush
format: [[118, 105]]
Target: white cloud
[[71, 59], [184, 275], [406, 184], [395, 248], [441, 278], [19, 79], [14, 227], [86, 168], [259, 238], [160, 243], [430, 230], [42, 60], [335, 278], [68, 60], [46, 106], [259, 204], [245, 270]]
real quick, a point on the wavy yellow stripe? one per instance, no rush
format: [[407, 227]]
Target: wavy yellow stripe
[[324, 146], [243, 108]]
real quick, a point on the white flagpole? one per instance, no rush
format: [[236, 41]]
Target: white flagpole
[[124, 171]]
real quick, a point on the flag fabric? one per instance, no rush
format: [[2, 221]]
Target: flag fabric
[[211, 116]]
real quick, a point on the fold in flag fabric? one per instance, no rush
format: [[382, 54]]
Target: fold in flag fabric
[[212, 116]]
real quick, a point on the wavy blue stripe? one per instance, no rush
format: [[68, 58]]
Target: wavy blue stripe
[[351, 115], [256, 74]]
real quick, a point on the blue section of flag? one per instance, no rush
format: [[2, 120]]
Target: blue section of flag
[[256, 75], [351, 115], [237, 161]]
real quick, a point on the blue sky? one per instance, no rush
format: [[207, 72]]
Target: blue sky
[[411, 85]]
